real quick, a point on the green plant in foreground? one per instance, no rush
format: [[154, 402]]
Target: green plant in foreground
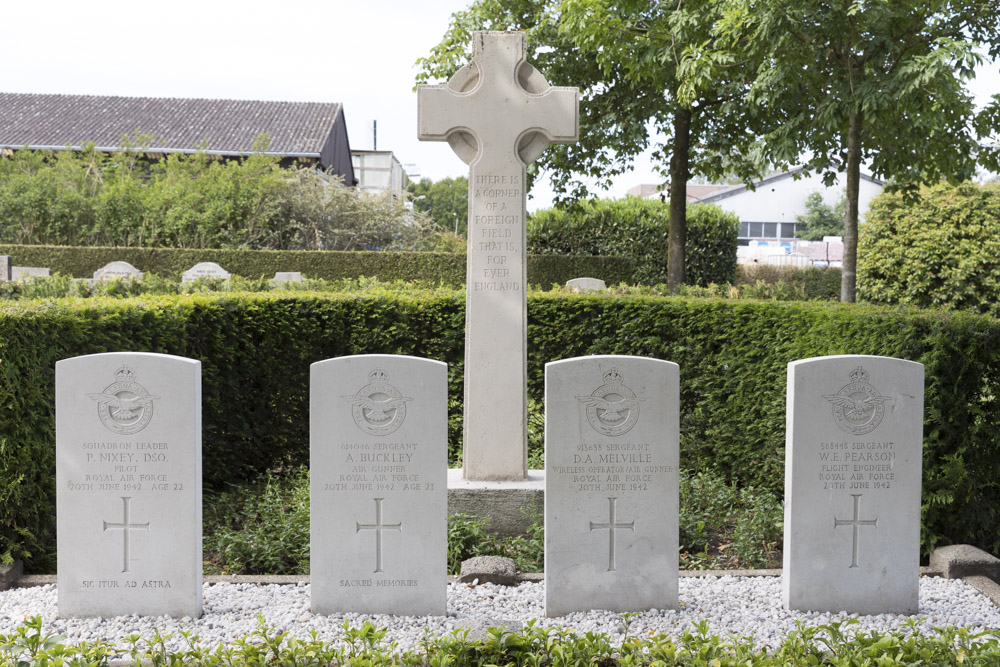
[[465, 533], [28, 646], [832, 645]]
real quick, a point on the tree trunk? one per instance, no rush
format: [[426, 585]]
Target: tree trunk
[[678, 198], [848, 276]]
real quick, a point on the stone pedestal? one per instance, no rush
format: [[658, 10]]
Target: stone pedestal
[[510, 506]]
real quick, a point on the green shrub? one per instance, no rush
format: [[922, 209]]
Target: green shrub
[[465, 533], [467, 538], [812, 283], [435, 268], [260, 528], [637, 229], [46, 194], [941, 250], [256, 350], [195, 201], [710, 245], [527, 551], [723, 526]]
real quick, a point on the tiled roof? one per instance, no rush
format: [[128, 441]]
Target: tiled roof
[[177, 125], [733, 190], [696, 192], [645, 189]]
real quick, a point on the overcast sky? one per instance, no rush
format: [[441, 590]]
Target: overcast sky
[[357, 52]]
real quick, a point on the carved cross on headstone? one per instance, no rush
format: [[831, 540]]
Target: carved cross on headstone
[[611, 526], [126, 526], [498, 113], [378, 527], [855, 523]]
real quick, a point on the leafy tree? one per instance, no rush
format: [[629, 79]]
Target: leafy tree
[[446, 201], [821, 219], [631, 60], [880, 82]]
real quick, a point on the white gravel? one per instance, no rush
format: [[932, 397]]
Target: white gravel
[[741, 606]]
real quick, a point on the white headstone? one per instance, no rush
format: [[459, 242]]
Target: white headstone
[[853, 452], [498, 113], [611, 486], [128, 474], [5, 268], [117, 269], [205, 270], [288, 277], [586, 285], [378, 451], [21, 272]]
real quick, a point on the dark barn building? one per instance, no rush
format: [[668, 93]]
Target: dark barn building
[[311, 132]]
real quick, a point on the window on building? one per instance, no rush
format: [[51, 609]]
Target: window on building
[[769, 230]]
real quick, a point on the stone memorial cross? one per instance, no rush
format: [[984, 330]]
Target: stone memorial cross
[[378, 527], [498, 113]]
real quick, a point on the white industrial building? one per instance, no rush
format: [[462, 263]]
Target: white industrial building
[[768, 211], [379, 171], [768, 214]]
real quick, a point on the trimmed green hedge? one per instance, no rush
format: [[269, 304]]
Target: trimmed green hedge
[[256, 350], [814, 283], [637, 229], [436, 268]]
